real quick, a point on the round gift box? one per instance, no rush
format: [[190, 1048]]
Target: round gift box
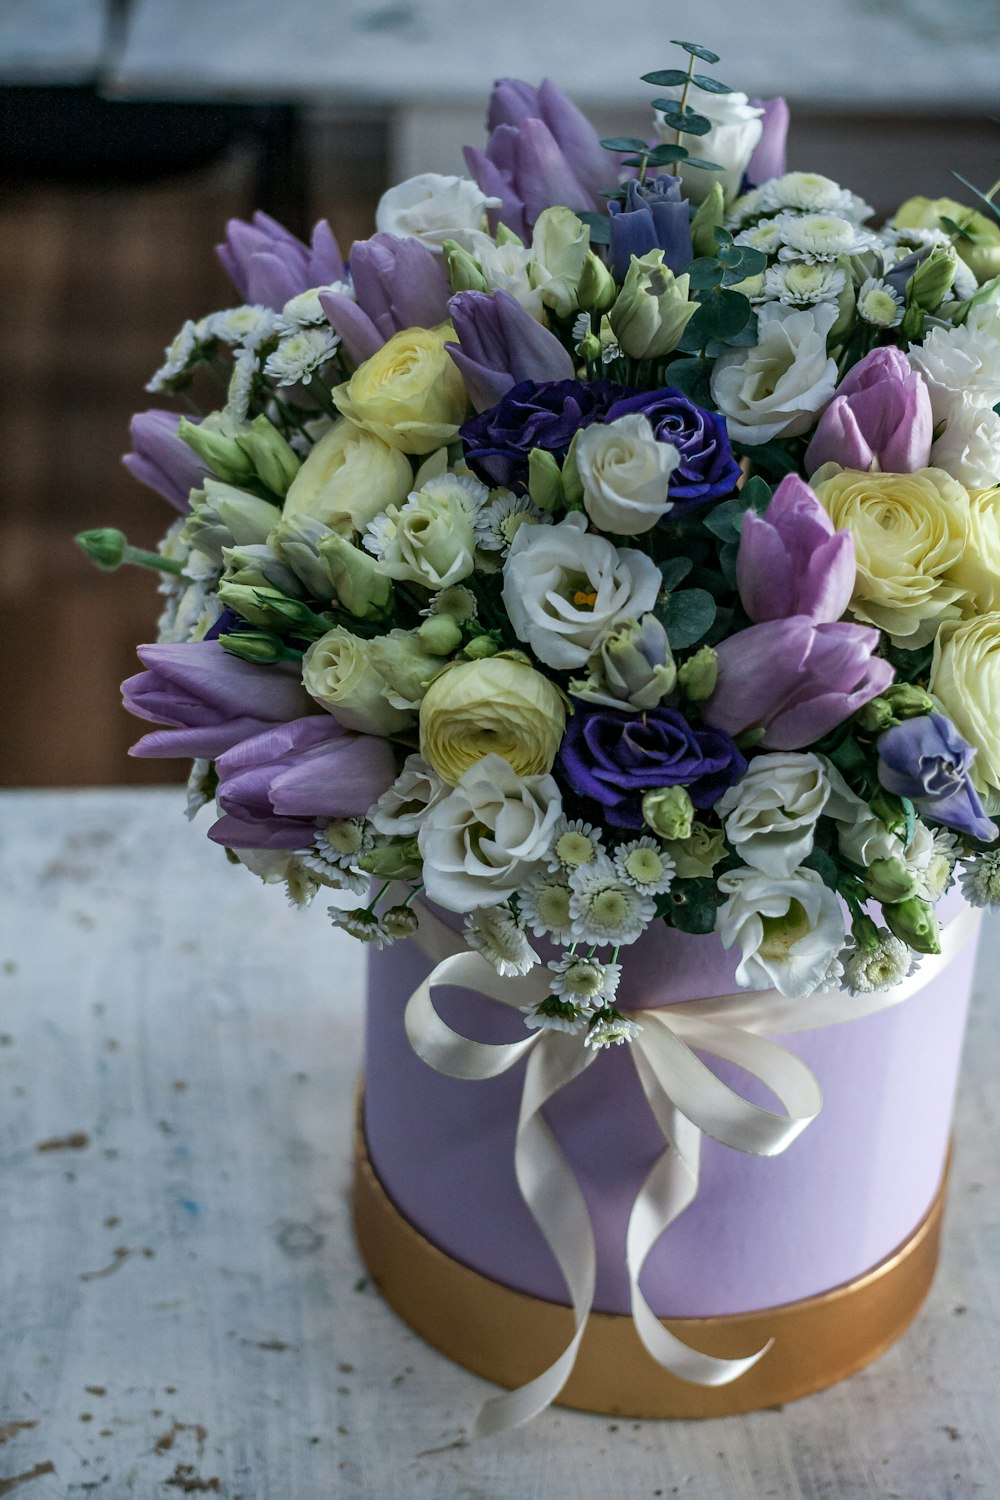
[[827, 1249]]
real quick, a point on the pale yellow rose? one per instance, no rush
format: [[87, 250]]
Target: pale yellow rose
[[965, 678], [410, 394], [348, 478], [338, 671], [978, 569], [698, 855], [909, 533], [500, 706]]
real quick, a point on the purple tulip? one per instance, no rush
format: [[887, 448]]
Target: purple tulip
[[268, 265], [213, 700], [768, 159], [655, 216], [399, 283], [161, 460], [499, 345], [795, 679], [880, 413], [542, 151], [274, 787], [791, 561], [926, 760]]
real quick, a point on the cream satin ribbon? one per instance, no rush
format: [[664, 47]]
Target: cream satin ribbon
[[687, 1099]]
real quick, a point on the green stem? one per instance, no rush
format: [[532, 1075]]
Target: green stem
[[415, 892], [377, 898], [684, 97]]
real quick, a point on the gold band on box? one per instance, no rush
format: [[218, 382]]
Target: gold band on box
[[509, 1336]]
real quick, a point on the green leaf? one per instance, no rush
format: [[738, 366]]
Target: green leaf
[[693, 904], [704, 273], [710, 85], [743, 259], [767, 455], [660, 156], [696, 50], [721, 315], [666, 78], [686, 615], [726, 520], [691, 377], [988, 202], [728, 553], [688, 122], [599, 226], [707, 166], [824, 866], [674, 571], [956, 231], [755, 495], [624, 143]]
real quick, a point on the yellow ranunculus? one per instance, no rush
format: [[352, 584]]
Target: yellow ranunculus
[[499, 706], [909, 533], [348, 479], [978, 569], [410, 394], [965, 678]]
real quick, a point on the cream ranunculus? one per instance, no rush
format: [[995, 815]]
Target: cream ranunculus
[[777, 388], [564, 587], [431, 540], [771, 814], [338, 672], [978, 569], [625, 472], [349, 477], [965, 678], [483, 841], [433, 208], [499, 706], [410, 393], [736, 128], [909, 533]]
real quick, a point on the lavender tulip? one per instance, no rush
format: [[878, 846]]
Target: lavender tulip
[[274, 787], [794, 679], [880, 415], [791, 561], [269, 266], [768, 159], [398, 283], [213, 700], [926, 760], [161, 460], [655, 217], [499, 345]]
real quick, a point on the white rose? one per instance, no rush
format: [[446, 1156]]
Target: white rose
[[736, 128], [770, 815], [338, 672], [777, 388], [564, 587], [347, 478], [560, 243], [789, 931], [433, 208], [969, 447], [431, 540], [961, 365], [480, 843], [625, 473], [400, 811], [862, 837]]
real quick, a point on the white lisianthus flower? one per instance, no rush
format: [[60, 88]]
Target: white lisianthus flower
[[400, 811], [565, 586], [434, 208], [494, 932], [961, 365], [607, 909], [736, 129], [969, 447], [625, 473], [431, 540], [505, 268], [560, 244], [789, 931], [770, 816], [861, 836], [481, 842], [776, 388], [339, 673], [811, 193]]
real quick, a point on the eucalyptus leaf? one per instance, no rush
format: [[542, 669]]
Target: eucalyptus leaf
[[624, 143], [696, 50], [674, 571], [666, 78], [686, 615], [767, 455], [599, 226], [707, 166], [824, 866], [691, 377], [755, 495], [704, 273], [956, 231], [710, 85], [720, 315], [988, 202], [693, 904], [661, 155], [728, 553], [726, 520]]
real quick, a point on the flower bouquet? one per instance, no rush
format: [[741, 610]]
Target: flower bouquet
[[595, 579]]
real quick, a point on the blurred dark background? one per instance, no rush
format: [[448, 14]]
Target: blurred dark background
[[129, 134]]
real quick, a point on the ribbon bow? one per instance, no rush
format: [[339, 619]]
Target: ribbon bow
[[687, 1099]]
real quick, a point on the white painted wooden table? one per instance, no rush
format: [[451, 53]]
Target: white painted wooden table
[[181, 1306]]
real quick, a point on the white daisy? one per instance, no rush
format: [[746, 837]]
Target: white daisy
[[811, 192], [981, 879], [931, 858], [177, 358], [361, 923], [605, 908], [609, 1028], [400, 921], [820, 237], [248, 326], [334, 877], [306, 310], [802, 283], [585, 981], [869, 971], [299, 355], [879, 303], [201, 784], [764, 236], [544, 900], [499, 520], [574, 843], [300, 884], [553, 1014], [494, 932], [645, 865], [750, 206]]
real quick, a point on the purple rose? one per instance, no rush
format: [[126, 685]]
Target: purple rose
[[791, 561], [707, 469], [926, 760], [613, 758], [533, 414]]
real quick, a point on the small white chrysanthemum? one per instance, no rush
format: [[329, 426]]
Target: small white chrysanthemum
[[361, 923], [583, 328], [811, 192], [458, 602], [610, 1029], [931, 858], [605, 908], [820, 237], [798, 283], [764, 236], [645, 865], [585, 981], [334, 876], [299, 355], [301, 884], [879, 303], [574, 843], [177, 358], [500, 519], [749, 206], [544, 901], [910, 239], [241, 381], [981, 879], [869, 971], [553, 1014], [248, 326], [343, 840], [400, 922], [306, 310], [494, 932]]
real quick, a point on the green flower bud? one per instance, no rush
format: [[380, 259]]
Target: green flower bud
[[271, 609], [257, 566], [545, 483], [463, 272], [697, 856], [914, 922], [274, 462], [439, 635], [406, 666], [590, 348], [217, 447], [505, 236], [932, 280], [395, 859], [669, 812], [988, 295], [890, 811], [106, 547], [560, 244], [865, 933], [699, 674], [480, 647], [571, 481], [876, 716], [631, 667], [360, 585], [597, 290], [652, 309], [710, 216], [254, 646], [908, 701], [223, 516], [889, 880]]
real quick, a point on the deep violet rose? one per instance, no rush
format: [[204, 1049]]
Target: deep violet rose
[[533, 414], [613, 758], [707, 469], [928, 761]]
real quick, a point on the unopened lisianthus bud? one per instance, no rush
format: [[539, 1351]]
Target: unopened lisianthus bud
[[913, 921], [463, 272], [876, 717], [217, 448], [105, 546], [698, 675], [359, 583], [545, 485], [908, 701], [889, 880], [480, 647], [393, 859], [710, 216], [669, 812], [254, 646], [439, 635], [274, 461], [597, 290]]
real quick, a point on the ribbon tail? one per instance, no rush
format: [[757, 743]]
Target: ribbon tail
[[669, 1188], [556, 1201]]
